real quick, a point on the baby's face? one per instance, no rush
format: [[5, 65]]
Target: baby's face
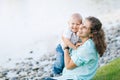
[[74, 24]]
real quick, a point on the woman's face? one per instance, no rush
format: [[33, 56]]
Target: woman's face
[[84, 29]]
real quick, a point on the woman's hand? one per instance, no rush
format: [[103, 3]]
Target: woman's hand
[[78, 44]]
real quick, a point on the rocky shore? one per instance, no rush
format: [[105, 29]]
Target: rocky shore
[[31, 69]]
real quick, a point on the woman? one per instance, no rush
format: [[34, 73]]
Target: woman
[[82, 64]]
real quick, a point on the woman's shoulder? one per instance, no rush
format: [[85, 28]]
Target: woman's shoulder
[[89, 44], [88, 50], [90, 47]]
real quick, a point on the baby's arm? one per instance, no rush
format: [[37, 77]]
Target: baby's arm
[[69, 43]]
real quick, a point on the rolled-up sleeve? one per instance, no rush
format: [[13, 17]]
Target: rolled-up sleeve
[[78, 60]]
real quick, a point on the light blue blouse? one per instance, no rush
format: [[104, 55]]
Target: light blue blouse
[[86, 58]]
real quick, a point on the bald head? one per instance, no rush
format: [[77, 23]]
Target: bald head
[[76, 16]]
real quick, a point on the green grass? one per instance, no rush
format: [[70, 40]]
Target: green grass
[[110, 71]]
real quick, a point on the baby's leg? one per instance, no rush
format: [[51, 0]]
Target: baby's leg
[[59, 63]]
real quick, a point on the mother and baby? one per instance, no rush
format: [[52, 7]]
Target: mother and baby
[[83, 42]]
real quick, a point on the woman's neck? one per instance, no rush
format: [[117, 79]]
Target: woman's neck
[[84, 40]]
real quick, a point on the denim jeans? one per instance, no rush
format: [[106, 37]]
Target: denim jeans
[[58, 66]]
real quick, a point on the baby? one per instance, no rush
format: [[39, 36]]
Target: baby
[[71, 39]]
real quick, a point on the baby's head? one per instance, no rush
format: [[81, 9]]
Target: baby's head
[[74, 22]]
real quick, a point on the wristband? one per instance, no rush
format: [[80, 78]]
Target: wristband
[[66, 48]]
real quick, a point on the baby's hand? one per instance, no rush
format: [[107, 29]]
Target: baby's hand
[[78, 44]]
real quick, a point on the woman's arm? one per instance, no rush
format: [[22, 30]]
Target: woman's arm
[[69, 64]]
